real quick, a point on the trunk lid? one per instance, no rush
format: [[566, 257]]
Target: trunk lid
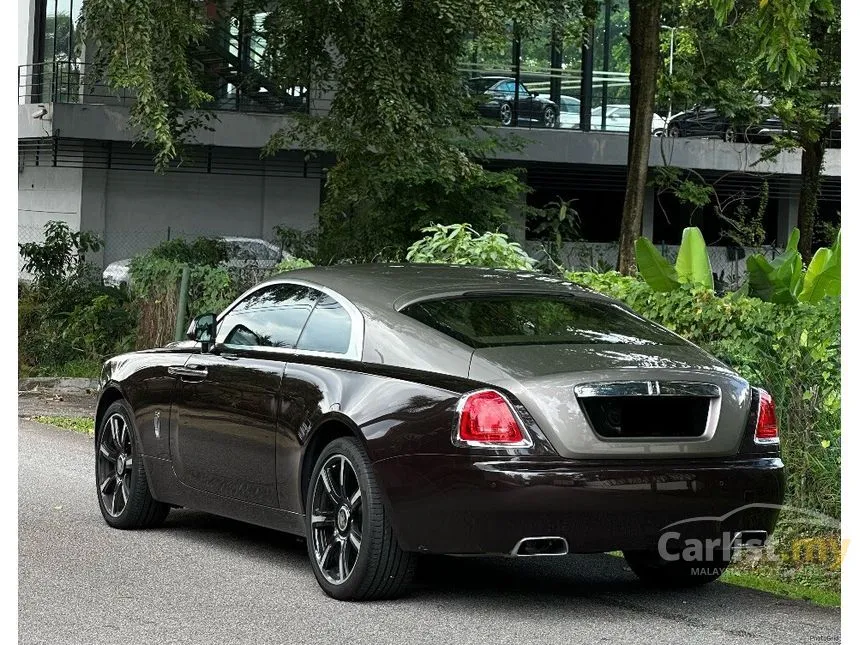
[[621, 400]]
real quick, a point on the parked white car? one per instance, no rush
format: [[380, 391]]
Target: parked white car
[[618, 119], [242, 251]]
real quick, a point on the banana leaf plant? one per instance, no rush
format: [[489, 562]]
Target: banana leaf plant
[[693, 266], [784, 281]]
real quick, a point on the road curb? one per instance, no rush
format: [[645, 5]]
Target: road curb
[[58, 385]]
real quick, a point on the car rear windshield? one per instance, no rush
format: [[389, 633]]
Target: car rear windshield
[[494, 320]]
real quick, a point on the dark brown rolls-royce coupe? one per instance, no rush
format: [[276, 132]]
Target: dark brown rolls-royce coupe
[[386, 411]]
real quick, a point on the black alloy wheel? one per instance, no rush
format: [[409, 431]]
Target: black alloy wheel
[[123, 491], [336, 519], [353, 551]]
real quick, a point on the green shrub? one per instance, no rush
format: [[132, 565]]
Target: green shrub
[[211, 288], [68, 323], [791, 350], [61, 256], [301, 244], [69, 327], [461, 244], [205, 251], [291, 265]]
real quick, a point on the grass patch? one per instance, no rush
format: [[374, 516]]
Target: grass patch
[[81, 368], [780, 587], [86, 425]]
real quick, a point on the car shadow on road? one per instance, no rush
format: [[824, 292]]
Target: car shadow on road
[[537, 581]]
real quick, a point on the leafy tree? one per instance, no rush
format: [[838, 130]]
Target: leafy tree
[[143, 45], [644, 66], [398, 122], [796, 46]]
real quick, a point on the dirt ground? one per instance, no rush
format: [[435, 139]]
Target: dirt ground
[[64, 405]]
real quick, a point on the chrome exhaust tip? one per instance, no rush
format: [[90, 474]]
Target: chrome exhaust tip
[[749, 539], [534, 546]]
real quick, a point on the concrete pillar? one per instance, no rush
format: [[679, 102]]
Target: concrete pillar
[[648, 213], [26, 24], [786, 219]]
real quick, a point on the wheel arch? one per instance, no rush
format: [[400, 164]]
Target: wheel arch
[[332, 426], [110, 394]]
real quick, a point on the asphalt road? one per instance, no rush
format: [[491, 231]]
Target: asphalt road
[[203, 579]]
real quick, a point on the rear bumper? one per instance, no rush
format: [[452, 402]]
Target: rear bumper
[[473, 505]]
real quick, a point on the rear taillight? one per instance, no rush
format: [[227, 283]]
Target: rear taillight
[[766, 429], [487, 419]]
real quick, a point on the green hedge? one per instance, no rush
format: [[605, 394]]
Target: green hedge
[[793, 351]]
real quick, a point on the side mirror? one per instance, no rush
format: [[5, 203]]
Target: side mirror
[[202, 330]]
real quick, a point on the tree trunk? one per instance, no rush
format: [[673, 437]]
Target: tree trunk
[[813, 148], [810, 183], [644, 63]]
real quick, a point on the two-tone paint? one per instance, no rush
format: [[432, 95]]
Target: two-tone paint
[[239, 429]]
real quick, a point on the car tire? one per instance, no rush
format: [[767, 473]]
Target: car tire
[[121, 484], [343, 496], [549, 116], [654, 570], [674, 131], [506, 113], [729, 134]]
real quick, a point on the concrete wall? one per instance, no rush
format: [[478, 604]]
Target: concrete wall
[[132, 210], [236, 130], [138, 207], [46, 194]]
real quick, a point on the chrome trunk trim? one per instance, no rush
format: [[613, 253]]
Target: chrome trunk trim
[[647, 388]]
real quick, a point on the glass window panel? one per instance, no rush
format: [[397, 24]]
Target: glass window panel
[[540, 319], [328, 328], [270, 317]]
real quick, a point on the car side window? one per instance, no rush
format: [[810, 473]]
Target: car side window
[[328, 329], [506, 88], [270, 317]]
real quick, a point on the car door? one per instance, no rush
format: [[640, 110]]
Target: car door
[[503, 93], [618, 120], [228, 400], [313, 384], [530, 107], [706, 122]]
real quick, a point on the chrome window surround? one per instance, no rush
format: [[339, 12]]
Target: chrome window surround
[[455, 430], [656, 388], [356, 333]]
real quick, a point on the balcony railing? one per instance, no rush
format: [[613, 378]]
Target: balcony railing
[[76, 82], [609, 110]]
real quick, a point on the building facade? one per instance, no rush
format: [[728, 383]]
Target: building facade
[[78, 160]]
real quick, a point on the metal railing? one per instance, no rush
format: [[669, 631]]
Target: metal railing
[[76, 82], [564, 88]]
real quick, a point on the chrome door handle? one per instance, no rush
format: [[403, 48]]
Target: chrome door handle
[[191, 372]]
